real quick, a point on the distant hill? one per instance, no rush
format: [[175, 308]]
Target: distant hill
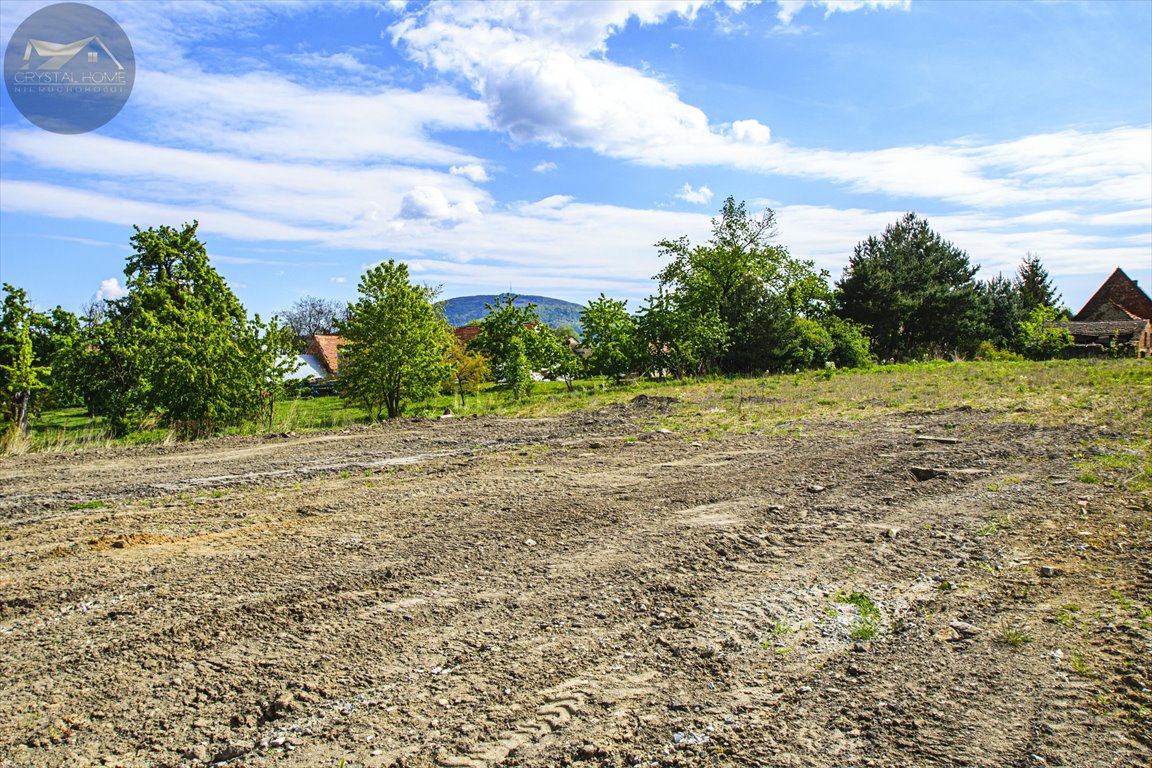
[[555, 312]]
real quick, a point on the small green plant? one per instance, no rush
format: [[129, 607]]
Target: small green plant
[[1080, 666], [994, 525], [1091, 478], [345, 475], [1015, 635], [1066, 616], [868, 625], [779, 628], [87, 505]]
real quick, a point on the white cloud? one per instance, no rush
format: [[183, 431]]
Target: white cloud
[[339, 280], [431, 203], [473, 171], [546, 207], [787, 9], [701, 196], [110, 290], [750, 132], [261, 115], [546, 166], [539, 67]]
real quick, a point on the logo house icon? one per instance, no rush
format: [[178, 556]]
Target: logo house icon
[[69, 68], [56, 55]]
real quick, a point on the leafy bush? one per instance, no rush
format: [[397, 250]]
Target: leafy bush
[[1039, 339], [989, 351], [849, 343]]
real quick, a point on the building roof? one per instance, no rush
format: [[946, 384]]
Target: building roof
[[1103, 331], [326, 348], [307, 367], [1117, 297], [466, 333]]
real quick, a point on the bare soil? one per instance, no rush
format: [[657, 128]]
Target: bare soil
[[578, 590]]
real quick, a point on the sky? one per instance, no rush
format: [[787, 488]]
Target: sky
[[545, 147]]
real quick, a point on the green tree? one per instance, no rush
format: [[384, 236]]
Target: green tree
[[188, 342], [271, 357], [18, 370], [610, 337], [672, 340], [51, 339], [179, 345], [1003, 311], [517, 370], [561, 360], [397, 342], [504, 324], [468, 370], [20, 375], [1035, 286], [914, 290], [849, 343], [754, 286], [1039, 339]]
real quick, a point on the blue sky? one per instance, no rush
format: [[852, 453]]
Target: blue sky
[[544, 147]]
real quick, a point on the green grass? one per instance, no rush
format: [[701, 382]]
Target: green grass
[[1014, 635], [1111, 394], [868, 626], [1081, 666], [88, 505]]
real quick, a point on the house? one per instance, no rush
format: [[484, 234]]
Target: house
[[321, 356], [466, 333], [1095, 338], [326, 349], [308, 368], [1120, 298], [1118, 315]]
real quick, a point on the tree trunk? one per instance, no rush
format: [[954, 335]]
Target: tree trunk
[[21, 401]]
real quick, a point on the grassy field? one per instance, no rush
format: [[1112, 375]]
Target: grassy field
[[1115, 395]]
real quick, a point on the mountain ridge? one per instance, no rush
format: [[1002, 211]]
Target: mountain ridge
[[557, 313]]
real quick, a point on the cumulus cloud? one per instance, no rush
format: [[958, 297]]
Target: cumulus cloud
[[339, 279], [473, 171], [110, 290], [430, 203], [750, 132], [547, 166], [540, 69], [701, 196]]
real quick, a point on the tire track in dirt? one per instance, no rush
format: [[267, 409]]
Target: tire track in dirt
[[579, 597]]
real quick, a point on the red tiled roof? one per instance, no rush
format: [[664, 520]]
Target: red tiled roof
[[466, 333], [327, 348], [1119, 292]]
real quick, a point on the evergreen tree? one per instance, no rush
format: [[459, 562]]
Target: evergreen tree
[[914, 290], [1004, 309], [1035, 286]]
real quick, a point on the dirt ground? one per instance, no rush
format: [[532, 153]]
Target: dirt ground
[[919, 589]]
